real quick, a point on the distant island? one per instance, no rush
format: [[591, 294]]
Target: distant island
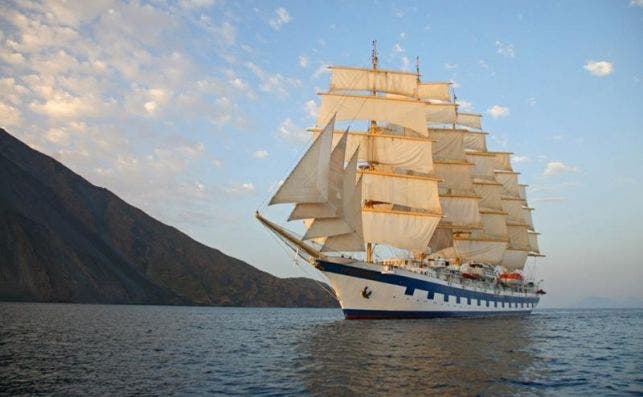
[[63, 239]]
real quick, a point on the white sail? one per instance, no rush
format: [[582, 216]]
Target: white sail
[[469, 120], [455, 177], [526, 216], [522, 192], [440, 113], [436, 91], [312, 210], [308, 181], [493, 226], [509, 182], [351, 213], [514, 210], [490, 195], [448, 145], [502, 161], [476, 141], [533, 242], [346, 219], [363, 79], [393, 151], [326, 227], [480, 250], [401, 229], [482, 165], [461, 210], [514, 259], [518, 237], [407, 113], [442, 238], [406, 190], [332, 207]]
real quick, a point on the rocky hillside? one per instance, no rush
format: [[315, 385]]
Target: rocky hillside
[[63, 239]]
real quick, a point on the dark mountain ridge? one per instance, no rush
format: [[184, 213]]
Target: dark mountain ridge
[[63, 239]]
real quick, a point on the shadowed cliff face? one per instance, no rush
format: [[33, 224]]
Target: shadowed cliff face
[[63, 239]]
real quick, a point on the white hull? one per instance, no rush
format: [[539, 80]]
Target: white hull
[[401, 293]]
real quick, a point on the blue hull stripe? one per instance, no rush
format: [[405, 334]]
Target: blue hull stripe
[[359, 314], [411, 284]]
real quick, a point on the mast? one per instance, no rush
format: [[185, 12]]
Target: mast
[[371, 131]]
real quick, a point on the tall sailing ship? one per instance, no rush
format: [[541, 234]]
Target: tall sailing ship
[[407, 214]]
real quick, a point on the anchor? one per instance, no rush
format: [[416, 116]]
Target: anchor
[[366, 293]]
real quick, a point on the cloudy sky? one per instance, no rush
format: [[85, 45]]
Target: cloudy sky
[[194, 110]]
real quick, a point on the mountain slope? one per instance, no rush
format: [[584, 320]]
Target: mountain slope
[[63, 239]]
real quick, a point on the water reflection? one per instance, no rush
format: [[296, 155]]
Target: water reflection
[[417, 357]]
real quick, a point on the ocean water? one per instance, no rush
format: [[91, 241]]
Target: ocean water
[[65, 349]]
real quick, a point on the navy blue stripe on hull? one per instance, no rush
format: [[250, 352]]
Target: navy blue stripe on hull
[[411, 284], [356, 314]]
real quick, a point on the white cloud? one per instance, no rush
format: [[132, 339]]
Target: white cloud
[[9, 116], [483, 64], [558, 167], [260, 154], [289, 132], [465, 106], [281, 18], [504, 49], [636, 3], [520, 159], [450, 66], [322, 69], [397, 48], [193, 4], [599, 68], [531, 101], [273, 83], [497, 111], [238, 189], [312, 109], [303, 61]]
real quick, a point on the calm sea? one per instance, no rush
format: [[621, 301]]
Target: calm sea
[[67, 349]]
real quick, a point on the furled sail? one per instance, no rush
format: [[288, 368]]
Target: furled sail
[[345, 78], [434, 91], [408, 113], [308, 181]]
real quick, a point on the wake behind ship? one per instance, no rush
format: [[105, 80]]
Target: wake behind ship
[[407, 213]]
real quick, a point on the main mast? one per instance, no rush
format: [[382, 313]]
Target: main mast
[[372, 130]]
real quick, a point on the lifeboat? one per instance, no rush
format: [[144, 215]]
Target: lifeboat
[[511, 279]]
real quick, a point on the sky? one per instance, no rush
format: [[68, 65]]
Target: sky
[[195, 110]]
